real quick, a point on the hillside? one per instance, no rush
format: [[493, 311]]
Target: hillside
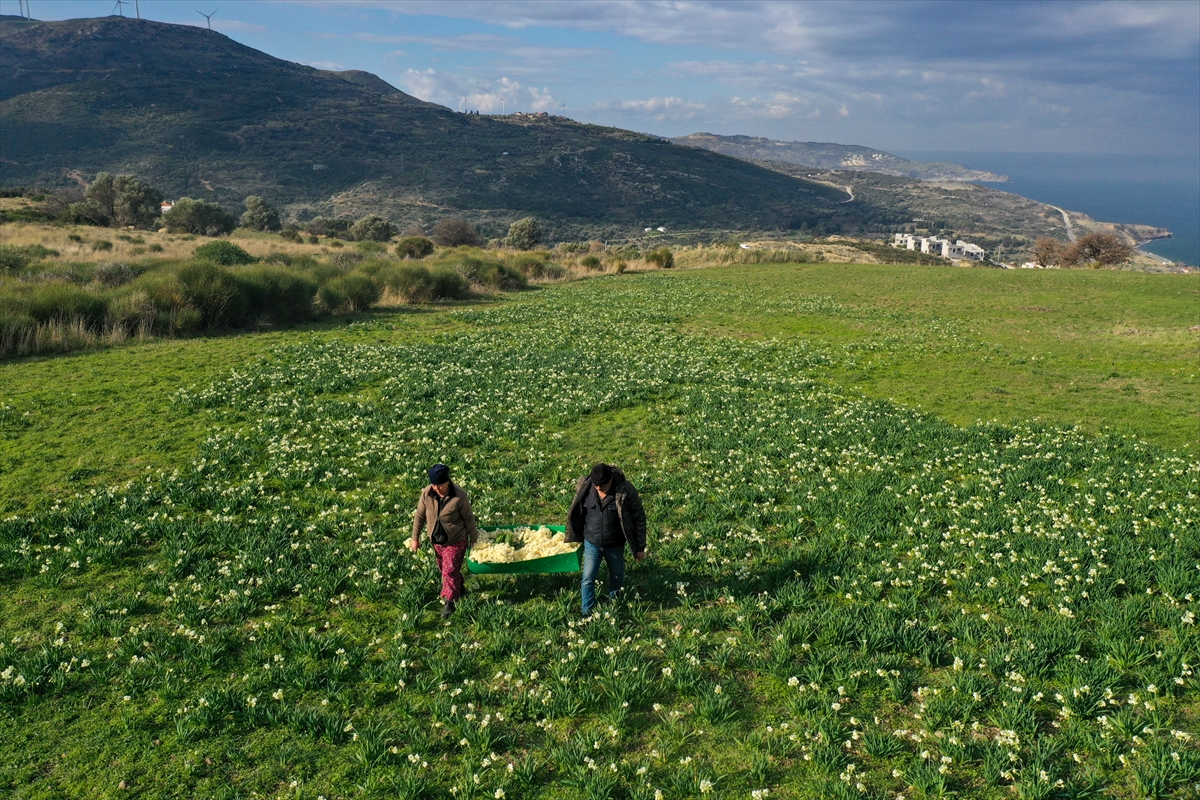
[[828, 155], [197, 114], [1004, 223]]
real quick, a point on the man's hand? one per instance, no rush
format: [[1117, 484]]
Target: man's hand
[[413, 544], [640, 556]]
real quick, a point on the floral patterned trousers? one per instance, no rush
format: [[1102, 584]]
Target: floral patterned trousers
[[450, 561]]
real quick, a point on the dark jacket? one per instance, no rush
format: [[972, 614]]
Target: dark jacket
[[629, 510], [456, 517]]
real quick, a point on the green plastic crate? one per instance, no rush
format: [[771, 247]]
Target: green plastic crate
[[564, 562]]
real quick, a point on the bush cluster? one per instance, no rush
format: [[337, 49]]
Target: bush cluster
[[662, 258], [223, 287]]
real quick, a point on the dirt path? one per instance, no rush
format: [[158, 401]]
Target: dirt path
[[1067, 222]]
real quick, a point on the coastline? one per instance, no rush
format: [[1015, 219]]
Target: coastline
[[1160, 259]]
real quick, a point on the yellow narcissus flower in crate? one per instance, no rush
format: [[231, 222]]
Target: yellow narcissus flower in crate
[[520, 544]]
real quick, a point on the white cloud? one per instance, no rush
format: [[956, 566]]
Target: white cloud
[[477, 94], [237, 26]]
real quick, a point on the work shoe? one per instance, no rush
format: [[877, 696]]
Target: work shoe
[[448, 608]]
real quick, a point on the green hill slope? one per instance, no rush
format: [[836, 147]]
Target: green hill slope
[[198, 114], [829, 155]]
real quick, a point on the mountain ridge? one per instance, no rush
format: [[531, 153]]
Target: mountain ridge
[[830, 155], [195, 113]]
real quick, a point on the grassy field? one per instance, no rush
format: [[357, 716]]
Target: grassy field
[[853, 589]]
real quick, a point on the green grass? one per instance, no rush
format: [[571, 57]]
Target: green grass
[[1097, 349], [845, 568]]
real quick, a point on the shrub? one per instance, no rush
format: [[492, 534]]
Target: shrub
[[291, 235], [662, 258], [449, 285], [415, 247], [455, 231], [371, 247], [331, 296], [524, 234], [102, 244], [345, 260], [489, 273], [313, 240], [359, 290], [113, 273], [63, 301], [372, 228], [620, 266], [531, 266], [16, 258], [591, 262], [279, 295], [215, 294], [409, 282], [224, 253], [198, 217], [155, 248], [259, 215]]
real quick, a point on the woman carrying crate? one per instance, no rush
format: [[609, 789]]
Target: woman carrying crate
[[446, 509]]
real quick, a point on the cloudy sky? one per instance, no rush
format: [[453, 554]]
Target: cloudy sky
[[1095, 77]]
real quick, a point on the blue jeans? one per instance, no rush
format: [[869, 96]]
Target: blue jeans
[[592, 555]]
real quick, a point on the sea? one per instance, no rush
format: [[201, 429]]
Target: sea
[[1158, 190]]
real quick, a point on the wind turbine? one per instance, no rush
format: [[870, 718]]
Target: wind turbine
[[120, 7], [208, 17], [137, 8], [503, 107]]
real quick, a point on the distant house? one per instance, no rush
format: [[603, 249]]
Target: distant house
[[934, 245], [661, 229], [167, 205], [649, 229]]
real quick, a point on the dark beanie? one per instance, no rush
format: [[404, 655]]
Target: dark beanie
[[601, 474], [439, 473]]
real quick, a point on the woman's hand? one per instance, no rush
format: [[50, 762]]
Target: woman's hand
[[413, 544]]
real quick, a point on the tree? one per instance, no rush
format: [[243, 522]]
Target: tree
[[372, 229], [198, 216], [454, 231], [1047, 251], [1098, 250], [259, 215], [524, 234], [119, 201]]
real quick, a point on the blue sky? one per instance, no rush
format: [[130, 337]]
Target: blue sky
[[1092, 77]]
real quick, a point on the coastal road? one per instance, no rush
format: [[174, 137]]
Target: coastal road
[[1067, 222]]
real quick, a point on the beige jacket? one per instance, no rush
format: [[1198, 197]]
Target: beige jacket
[[458, 521]]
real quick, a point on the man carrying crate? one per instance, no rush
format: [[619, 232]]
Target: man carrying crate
[[605, 515]]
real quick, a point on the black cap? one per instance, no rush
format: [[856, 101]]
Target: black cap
[[439, 473], [601, 474]]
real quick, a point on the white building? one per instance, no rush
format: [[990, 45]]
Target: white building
[[938, 246]]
